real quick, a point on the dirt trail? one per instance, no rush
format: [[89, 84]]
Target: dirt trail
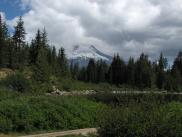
[[65, 133]]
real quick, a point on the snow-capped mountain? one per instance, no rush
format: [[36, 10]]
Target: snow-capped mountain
[[82, 55]]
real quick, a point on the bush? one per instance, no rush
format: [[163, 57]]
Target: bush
[[5, 124], [134, 121], [17, 82], [41, 88], [28, 114], [120, 99]]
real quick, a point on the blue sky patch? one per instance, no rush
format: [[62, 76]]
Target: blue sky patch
[[11, 8]]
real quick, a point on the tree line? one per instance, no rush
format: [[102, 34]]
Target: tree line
[[44, 60], [141, 73], [17, 54]]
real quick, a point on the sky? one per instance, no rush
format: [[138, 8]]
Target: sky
[[127, 27]]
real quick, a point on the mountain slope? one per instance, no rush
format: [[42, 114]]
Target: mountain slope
[[82, 55]]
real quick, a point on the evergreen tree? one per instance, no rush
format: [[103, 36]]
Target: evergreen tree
[[102, 69], [19, 35], [117, 71], [169, 81], [41, 68], [44, 38], [71, 69], [20, 47], [130, 72], [176, 79], [82, 74], [62, 63], [75, 71], [52, 60], [24, 54], [4, 38], [11, 54], [178, 63], [35, 47], [53, 54], [1, 42], [32, 54], [143, 75], [160, 79], [91, 71]]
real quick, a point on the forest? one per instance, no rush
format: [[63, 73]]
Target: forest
[[44, 61], [29, 70]]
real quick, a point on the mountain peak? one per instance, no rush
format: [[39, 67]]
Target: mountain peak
[[87, 52], [93, 48]]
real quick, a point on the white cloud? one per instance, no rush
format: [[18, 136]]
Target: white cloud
[[125, 26], [3, 16]]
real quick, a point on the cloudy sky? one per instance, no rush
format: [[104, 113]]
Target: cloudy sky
[[127, 27]]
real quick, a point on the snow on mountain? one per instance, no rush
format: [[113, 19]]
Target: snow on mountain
[[83, 54]]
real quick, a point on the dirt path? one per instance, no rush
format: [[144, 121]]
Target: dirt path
[[65, 133], [2, 135]]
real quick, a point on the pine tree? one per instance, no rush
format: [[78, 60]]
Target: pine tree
[[35, 47], [178, 63], [19, 45], [19, 35], [53, 54], [11, 55], [24, 53], [176, 79], [44, 40], [102, 69], [130, 72], [75, 71], [117, 71], [169, 81], [91, 71], [62, 63], [32, 54], [1, 42], [82, 74], [4, 38], [41, 68], [52, 59], [143, 75], [71, 69], [160, 80]]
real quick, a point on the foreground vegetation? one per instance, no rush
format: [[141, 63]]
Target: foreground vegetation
[[36, 113], [140, 115], [116, 115], [143, 121]]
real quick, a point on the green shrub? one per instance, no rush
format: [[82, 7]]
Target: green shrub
[[66, 87], [5, 124], [28, 114], [41, 88], [135, 121], [146, 100], [17, 82]]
